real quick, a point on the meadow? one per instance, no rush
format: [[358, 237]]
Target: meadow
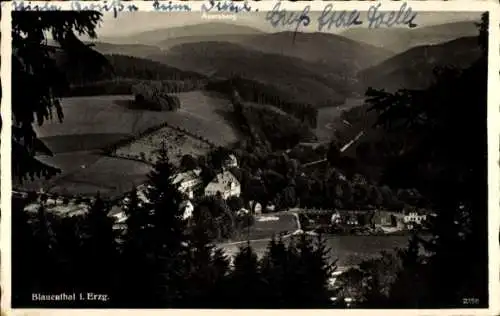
[[93, 123]]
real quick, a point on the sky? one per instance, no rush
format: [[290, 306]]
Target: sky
[[136, 22]]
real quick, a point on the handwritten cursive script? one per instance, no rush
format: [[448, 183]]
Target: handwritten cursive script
[[329, 18], [28, 6], [405, 16], [114, 6], [285, 18], [170, 7], [225, 6]]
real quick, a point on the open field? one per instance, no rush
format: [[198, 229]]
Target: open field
[[93, 123], [207, 115], [100, 115], [86, 173], [268, 224], [178, 144], [81, 142]]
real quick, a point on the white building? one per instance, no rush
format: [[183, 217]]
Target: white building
[[414, 218], [255, 207], [231, 161], [225, 184], [336, 218], [188, 209], [187, 182]]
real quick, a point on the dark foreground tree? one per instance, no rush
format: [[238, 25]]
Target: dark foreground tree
[[245, 281], [207, 281], [33, 259], [443, 130], [99, 252], [157, 242], [38, 82], [312, 272]]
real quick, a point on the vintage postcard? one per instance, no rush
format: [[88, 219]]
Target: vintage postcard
[[250, 155]]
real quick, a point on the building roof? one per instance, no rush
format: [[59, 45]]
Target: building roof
[[186, 176], [222, 182], [185, 204]]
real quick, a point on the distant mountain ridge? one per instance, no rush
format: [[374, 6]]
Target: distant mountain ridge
[[154, 37], [318, 47], [413, 69], [309, 82], [402, 39]]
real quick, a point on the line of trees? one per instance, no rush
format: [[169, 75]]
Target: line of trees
[[263, 124], [253, 91]]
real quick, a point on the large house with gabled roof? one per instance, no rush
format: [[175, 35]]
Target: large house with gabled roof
[[224, 184]]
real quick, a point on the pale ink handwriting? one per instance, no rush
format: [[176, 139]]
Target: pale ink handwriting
[[28, 6], [405, 16], [329, 18], [280, 17], [170, 7], [338, 19], [114, 6], [225, 6]]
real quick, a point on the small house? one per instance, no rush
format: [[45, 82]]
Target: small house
[[231, 161], [414, 218], [224, 184], [187, 208], [255, 207], [187, 182]]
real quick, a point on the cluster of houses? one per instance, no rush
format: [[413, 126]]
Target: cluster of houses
[[190, 184], [224, 185], [381, 220]]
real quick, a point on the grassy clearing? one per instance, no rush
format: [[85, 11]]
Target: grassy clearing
[[92, 123], [200, 113], [87, 174], [81, 142], [101, 115]]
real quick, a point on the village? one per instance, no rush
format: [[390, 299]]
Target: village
[[225, 185]]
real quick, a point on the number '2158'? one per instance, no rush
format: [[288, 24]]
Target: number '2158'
[[470, 301]]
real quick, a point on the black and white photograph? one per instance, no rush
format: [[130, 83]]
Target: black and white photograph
[[217, 161]]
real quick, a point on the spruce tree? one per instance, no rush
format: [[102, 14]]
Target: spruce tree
[[208, 269], [167, 232], [29, 256], [410, 274], [136, 258], [246, 284], [313, 271], [100, 249], [155, 248], [34, 67], [276, 274]]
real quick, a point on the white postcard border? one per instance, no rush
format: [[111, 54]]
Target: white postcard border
[[196, 6]]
